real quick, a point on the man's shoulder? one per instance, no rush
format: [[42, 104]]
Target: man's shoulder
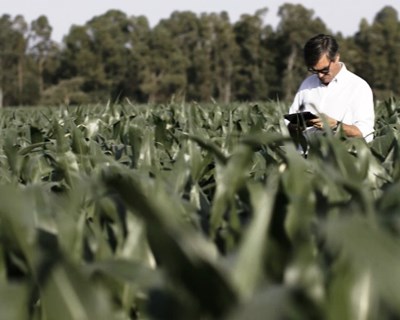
[[356, 79], [310, 82]]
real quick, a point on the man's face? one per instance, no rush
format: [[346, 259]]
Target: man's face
[[326, 69]]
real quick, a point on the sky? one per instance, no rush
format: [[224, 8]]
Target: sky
[[338, 15]]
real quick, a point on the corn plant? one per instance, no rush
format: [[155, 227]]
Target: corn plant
[[189, 211]]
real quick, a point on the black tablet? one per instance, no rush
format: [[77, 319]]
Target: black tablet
[[300, 117]]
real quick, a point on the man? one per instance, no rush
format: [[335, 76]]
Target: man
[[337, 96]]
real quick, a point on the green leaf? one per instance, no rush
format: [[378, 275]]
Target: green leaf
[[68, 294], [13, 301], [181, 252], [377, 265], [249, 268]]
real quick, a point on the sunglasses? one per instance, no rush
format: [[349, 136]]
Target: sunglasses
[[323, 70]]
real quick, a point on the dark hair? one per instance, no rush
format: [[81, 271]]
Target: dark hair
[[319, 45]]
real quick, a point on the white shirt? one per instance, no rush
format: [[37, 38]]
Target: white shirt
[[347, 98]]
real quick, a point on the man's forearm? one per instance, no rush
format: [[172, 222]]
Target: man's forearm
[[351, 130]]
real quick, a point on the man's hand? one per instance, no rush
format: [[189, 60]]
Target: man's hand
[[323, 120], [348, 129]]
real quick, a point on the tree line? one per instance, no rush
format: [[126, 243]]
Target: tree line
[[186, 56]]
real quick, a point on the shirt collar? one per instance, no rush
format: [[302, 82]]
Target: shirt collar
[[339, 77], [341, 74]]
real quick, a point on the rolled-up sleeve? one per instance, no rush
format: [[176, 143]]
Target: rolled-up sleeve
[[363, 112]]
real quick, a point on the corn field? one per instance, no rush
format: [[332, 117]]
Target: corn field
[[189, 211]]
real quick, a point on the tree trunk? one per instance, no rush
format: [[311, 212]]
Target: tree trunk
[[289, 92], [1, 96], [41, 67], [20, 79], [227, 91], [1, 82]]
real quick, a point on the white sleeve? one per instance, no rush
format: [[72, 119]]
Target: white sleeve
[[364, 114], [297, 102]]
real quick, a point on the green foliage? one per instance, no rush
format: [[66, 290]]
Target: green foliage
[[188, 211], [384, 32]]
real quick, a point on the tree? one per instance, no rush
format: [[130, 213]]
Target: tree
[[41, 47], [11, 59], [297, 25], [109, 53], [254, 55], [112, 45], [201, 75], [380, 47], [185, 35], [20, 25], [165, 66], [138, 62], [223, 55], [79, 60]]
